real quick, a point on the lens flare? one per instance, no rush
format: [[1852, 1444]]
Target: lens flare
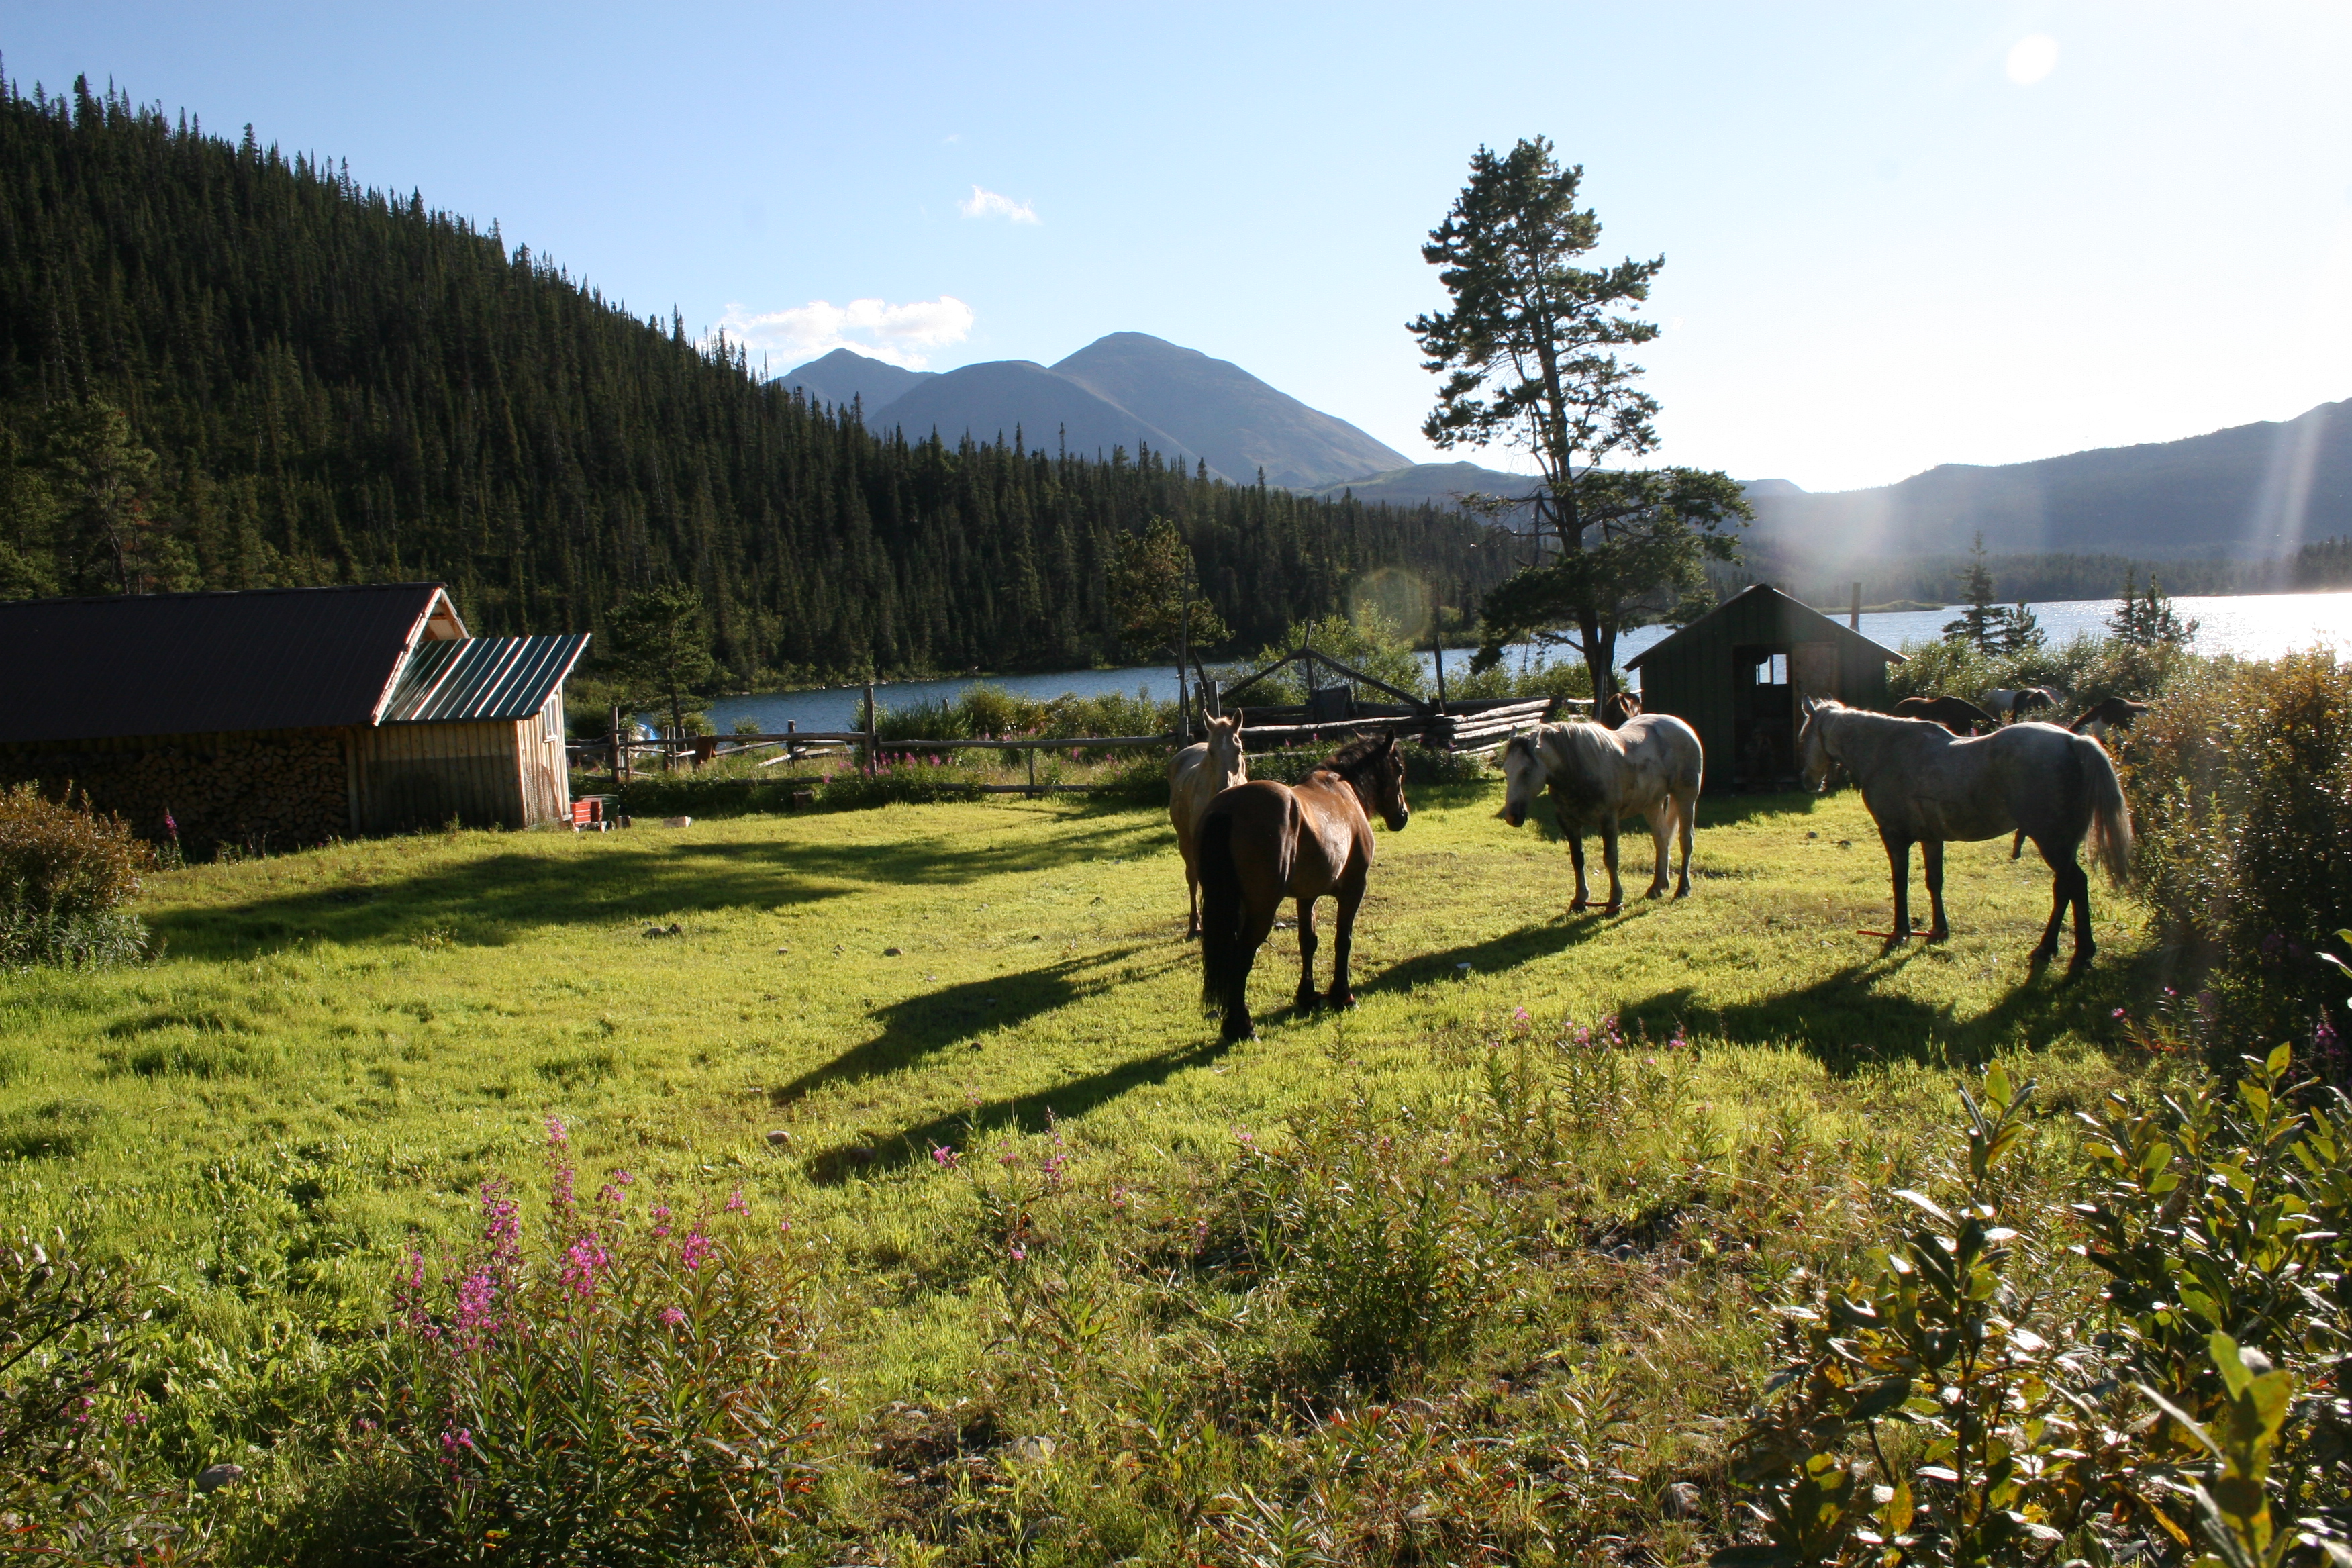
[[2032, 58]]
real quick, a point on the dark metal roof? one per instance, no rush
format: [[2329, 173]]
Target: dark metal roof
[[168, 664], [482, 678], [1788, 608]]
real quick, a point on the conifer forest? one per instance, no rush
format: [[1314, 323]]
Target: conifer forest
[[224, 367]]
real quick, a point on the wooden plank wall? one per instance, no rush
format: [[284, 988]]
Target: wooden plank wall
[[421, 776], [543, 771]]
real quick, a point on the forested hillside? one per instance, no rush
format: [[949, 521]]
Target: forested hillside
[[222, 368]]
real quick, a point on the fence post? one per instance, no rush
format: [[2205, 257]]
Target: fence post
[[1033, 773], [616, 742], [791, 748], [869, 728]]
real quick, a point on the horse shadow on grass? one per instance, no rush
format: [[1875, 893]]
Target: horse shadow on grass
[[1850, 1024], [880, 1152], [1536, 939], [491, 900], [923, 1026]]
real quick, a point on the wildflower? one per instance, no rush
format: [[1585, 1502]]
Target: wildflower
[[451, 1442], [1118, 1197], [2119, 1012], [558, 1136], [477, 1298], [944, 1157], [1008, 1159], [1052, 1166], [695, 1247], [501, 1223], [673, 1316], [1200, 1234], [659, 1214], [737, 1203], [1015, 1251], [169, 827], [582, 1262]]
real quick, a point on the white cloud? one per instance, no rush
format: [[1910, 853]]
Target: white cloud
[[898, 334], [988, 204], [2032, 58]]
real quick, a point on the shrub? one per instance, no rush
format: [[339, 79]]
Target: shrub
[[637, 1389], [1978, 1398], [1368, 641], [63, 873], [2086, 668], [1374, 1231], [2241, 785]]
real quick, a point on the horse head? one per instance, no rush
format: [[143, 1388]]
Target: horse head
[[1523, 778], [1813, 755], [1620, 707], [1224, 740], [1375, 771]]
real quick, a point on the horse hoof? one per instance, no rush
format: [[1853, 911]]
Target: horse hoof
[[1578, 905], [2041, 956], [1682, 891], [1617, 909], [1306, 1002], [1340, 1000], [1232, 1036], [1941, 933]]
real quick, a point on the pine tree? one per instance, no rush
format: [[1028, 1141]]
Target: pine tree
[[1980, 624], [2149, 620]]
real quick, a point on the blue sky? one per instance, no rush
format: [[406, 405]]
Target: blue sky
[[1895, 235]]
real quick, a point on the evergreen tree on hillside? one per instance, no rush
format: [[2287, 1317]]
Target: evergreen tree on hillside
[[1980, 623], [337, 384], [2149, 620]]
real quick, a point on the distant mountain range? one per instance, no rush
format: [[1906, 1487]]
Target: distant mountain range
[[2249, 492], [1118, 391]]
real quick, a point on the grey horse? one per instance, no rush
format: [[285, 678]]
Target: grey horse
[[1924, 785], [1651, 763]]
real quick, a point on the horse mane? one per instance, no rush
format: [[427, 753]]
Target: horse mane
[[1356, 757], [1584, 757]]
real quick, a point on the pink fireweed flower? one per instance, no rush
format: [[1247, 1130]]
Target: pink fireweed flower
[[501, 1223], [737, 1203], [660, 1214], [558, 1137], [673, 1316], [585, 1258], [695, 1247], [478, 1295], [408, 1287], [610, 1195], [558, 1196], [1015, 1251], [945, 1158], [2119, 1012], [1118, 1197], [1053, 1166]]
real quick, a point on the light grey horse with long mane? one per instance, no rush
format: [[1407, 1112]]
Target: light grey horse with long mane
[[1651, 764], [1924, 785]]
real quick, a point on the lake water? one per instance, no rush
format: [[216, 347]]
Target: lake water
[[2253, 625]]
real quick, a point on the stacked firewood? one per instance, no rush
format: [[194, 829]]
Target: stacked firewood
[[251, 793]]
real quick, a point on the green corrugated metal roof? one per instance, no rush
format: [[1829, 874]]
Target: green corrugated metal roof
[[481, 678]]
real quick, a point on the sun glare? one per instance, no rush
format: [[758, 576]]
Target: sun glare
[[2032, 58]]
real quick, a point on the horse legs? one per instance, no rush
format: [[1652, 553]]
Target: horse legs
[[1685, 811], [1609, 857], [1661, 818], [1193, 892], [1899, 857], [1347, 895], [1306, 999], [1931, 853], [1576, 854], [2070, 885], [1257, 922]]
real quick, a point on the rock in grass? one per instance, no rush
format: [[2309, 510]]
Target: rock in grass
[[779, 1139], [889, 952], [1682, 1502], [212, 1478]]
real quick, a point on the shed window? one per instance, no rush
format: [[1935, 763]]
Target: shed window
[[1772, 671]]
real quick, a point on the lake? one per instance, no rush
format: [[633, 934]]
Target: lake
[[2253, 626]]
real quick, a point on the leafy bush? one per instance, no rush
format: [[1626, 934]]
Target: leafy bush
[[991, 712], [2086, 668], [2013, 1409], [1368, 641], [639, 1390], [1557, 678], [1422, 764], [1373, 1231], [2241, 784], [63, 873]]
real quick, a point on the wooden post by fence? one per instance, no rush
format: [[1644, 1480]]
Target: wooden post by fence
[[1185, 657], [790, 749], [869, 728], [617, 754], [1853, 616], [1438, 651], [1033, 772]]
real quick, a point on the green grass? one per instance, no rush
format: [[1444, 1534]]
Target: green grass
[[337, 1046]]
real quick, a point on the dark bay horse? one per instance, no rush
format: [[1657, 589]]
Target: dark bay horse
[[1956, 714], [1263, 842], [1924, 785]]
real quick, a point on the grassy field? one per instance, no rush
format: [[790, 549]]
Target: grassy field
[[1072, 1342]]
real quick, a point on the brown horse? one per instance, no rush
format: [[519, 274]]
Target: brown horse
[[1263, 842], [1621, 706], [1956, 714]]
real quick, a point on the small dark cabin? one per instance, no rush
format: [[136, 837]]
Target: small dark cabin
[[1738, 674], [285, 716]]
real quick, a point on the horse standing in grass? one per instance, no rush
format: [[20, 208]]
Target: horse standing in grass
[[1924, 785], [1652, 764], [1956, 714], [1196, 775], [1263, 842]]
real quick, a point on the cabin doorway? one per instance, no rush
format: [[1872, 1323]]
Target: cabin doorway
[[1763, 711]]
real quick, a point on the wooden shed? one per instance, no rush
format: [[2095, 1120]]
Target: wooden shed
[[1738, 674], [285, 717]]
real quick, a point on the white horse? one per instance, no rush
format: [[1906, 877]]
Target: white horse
[[2013, 705], [1195, 777], [1650, 764], [1924, 785]]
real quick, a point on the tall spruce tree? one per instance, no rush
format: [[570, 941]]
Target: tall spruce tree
[[1528, 348], [1979, 623]]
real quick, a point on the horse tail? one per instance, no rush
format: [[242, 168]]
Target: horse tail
[[2111, 825], [1220, 909]]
